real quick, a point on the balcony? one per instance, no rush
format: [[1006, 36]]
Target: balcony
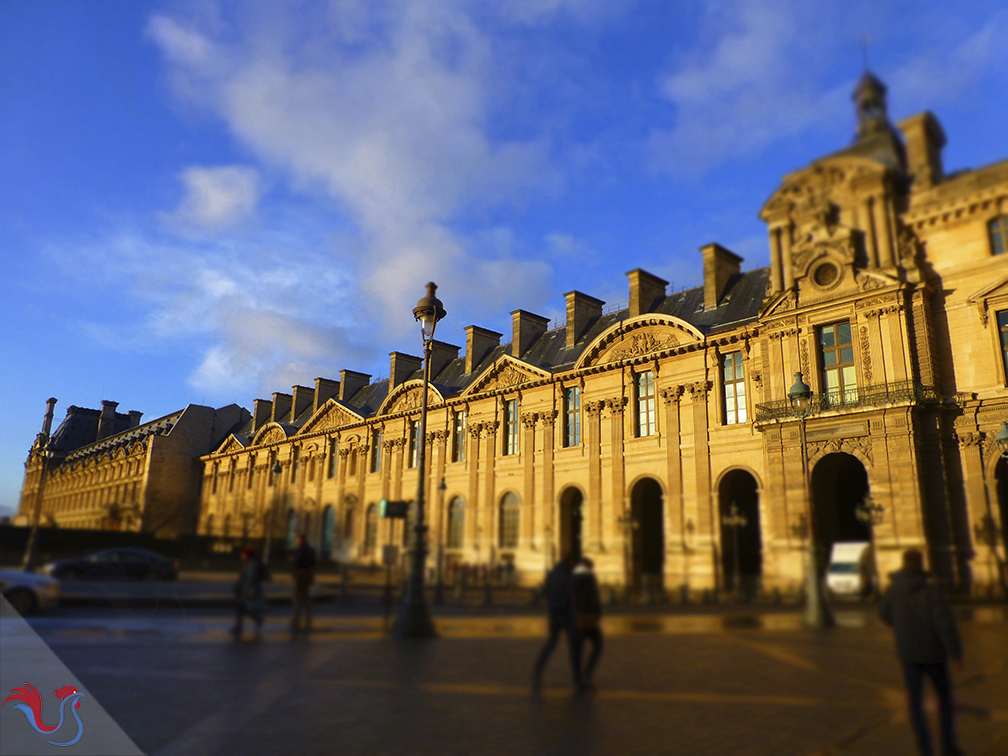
[[860, 397]]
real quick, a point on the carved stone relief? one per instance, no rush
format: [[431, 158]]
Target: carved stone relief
[[639, 344]]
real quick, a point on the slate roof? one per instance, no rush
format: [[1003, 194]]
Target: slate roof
[[80, 427], [160, 427]]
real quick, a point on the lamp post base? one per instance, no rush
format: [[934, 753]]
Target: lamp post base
[[817, 612], [414, 620]]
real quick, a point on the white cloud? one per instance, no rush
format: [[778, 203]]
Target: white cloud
[[215, 197]]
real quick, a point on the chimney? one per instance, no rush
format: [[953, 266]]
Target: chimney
[[281, 407], [106, 422], [134, 416], [582, 311], [47, 422], [526, 328], [262, 411], [719, 264], [645, 291], [401, 367], [303, 399], [924, 140], [441, 355], [350, 383], [325, 389], [479, 341]]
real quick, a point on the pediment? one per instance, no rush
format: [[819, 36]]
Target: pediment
[[995, 291], [808, 193], [504, 374], [272, 433], [330, 415], [408, 396], [230, 445], [639, 337]]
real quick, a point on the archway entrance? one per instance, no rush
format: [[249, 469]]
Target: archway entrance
[[739, 488], [648, 534], [1001, 476], [571, 518], [839, 483]]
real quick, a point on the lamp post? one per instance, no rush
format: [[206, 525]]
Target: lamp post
[[46, 453], [268, 530], [870, 514], [735, 521], [817, 613], [414, 620], [439, 589]]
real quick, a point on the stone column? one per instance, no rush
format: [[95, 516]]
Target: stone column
[[489, 519], [548, 494], [776, 263], [674, 519], [705, 516], [788, 262], [971, 447], [527, 533], [593, 503], [880, 216], [616, 407], [472, 459], [869, 232]]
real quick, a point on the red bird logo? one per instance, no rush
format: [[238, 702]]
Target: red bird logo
[[32, 708]]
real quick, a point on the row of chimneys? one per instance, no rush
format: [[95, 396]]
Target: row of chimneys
[[106, 420], [646, 291]]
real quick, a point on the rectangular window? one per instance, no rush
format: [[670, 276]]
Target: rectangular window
[[572, 417], [1002, 319], [271, 478], [251, 472], [295, 459], [837, 353], [214, 480], [231, 475], [414, 444], [733, 380], [353, 461], [333, 452], [645, 404], [458, 436], [511, 427], [999, 235], [311, 468], [376, 450]]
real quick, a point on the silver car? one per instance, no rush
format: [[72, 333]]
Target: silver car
[[28, 592]]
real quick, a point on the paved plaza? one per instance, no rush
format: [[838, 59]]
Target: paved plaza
[[701, 683]]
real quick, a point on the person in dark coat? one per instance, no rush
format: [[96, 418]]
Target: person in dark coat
[[558, 606], [587, 609], [926, 638], [248, 592], [303, 572]]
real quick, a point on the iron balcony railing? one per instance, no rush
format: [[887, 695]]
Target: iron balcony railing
[[853, 398]]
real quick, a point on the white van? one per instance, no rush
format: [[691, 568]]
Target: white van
[[850, 569]]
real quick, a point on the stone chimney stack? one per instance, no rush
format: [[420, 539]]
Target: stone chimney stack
[[924, 140], [441, 355], [134, 416], [262, 411], [47, 421], [719, 265], [281, 407], [582, 311], [525, 329], [645, 291], [106, 422], [479, 341], [350, 383], [401, 367], [303, 399], [325, 390]]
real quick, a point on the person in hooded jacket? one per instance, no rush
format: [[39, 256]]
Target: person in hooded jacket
[[558, 602], [926, 638]]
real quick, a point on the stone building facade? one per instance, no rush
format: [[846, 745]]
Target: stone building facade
[[105, 470], [631, 431]]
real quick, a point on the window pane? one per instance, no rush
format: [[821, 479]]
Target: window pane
[[738, 368], [742, 412], [832, 380], [740, 392], [731, 417], [826, 336], [849, 380], [829, 358], [844, 332], [847, 354]]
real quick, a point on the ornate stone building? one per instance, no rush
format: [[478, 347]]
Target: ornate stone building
[[630, 431], [104, 470]]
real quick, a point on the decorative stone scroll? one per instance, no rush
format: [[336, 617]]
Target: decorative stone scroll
[[865, 344], [861, 445]]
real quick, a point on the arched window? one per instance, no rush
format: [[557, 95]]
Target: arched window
[[456, 523], [209, 525], [509, 521], [371, 530]]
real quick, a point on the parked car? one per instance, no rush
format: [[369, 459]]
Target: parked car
[[116, 564], [28, 592]]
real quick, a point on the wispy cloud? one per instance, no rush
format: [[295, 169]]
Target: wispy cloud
[[215, 197]]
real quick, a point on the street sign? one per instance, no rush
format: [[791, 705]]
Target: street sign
[[394, 509]]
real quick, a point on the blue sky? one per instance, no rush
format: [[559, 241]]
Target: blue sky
[[208, 202]]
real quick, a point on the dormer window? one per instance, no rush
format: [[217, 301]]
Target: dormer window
[[998, 230]]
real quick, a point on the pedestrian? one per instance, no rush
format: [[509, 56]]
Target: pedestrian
[[558, 607], [587, 608], [926, 638], [248, 592], [303, 571]]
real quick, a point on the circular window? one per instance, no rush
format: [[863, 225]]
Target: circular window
[[825, 275]]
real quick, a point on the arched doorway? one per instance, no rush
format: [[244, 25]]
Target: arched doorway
[[739, 488], [1001, 476], [571, 518], [647, 503], [328, 531], [839, 484]]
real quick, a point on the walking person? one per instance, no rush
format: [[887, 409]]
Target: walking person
[[248, 593], [926, 638], [303, 572], [587, 608], [558, 606]]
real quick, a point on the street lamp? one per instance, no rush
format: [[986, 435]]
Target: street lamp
[[735, 521], [439, 589], [46, 453], [414, 620], [870, 514], [817, 614], [268, 534]]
